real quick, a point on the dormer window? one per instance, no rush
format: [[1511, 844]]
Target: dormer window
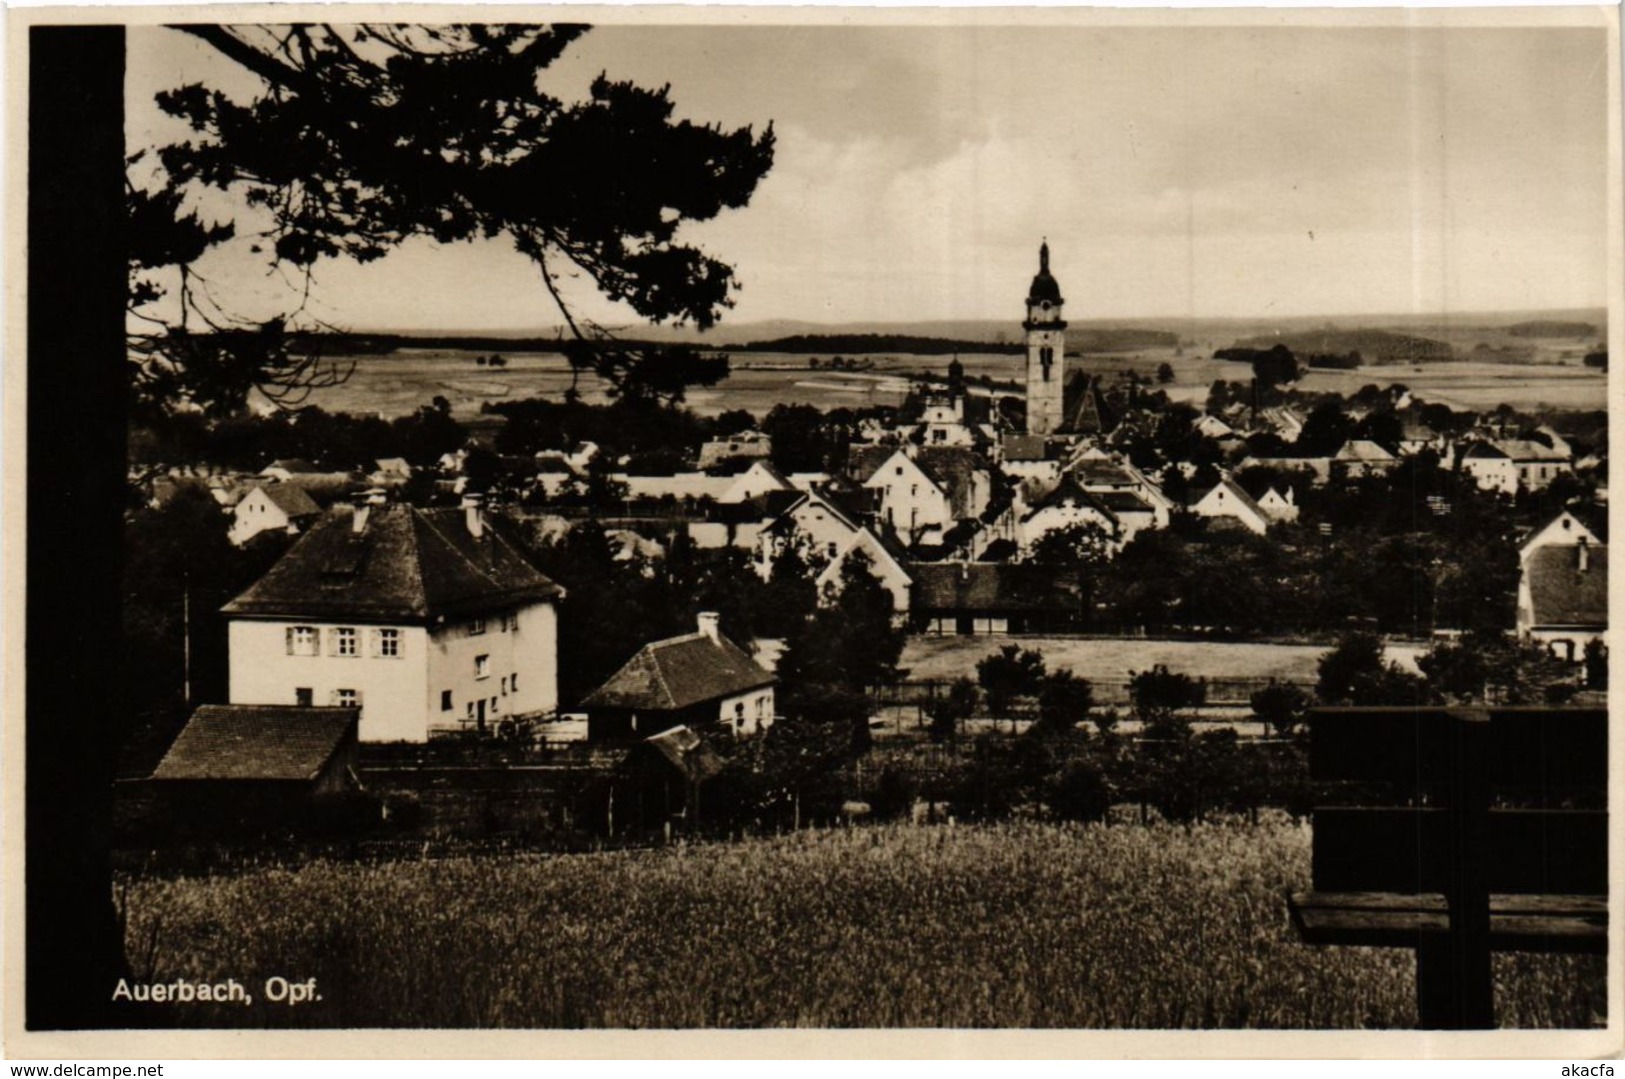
[[476, 627]]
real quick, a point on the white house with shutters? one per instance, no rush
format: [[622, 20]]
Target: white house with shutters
[[427, 620]]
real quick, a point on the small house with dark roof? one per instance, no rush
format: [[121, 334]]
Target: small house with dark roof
[[986, 597], [1563, 597], [700, 680], [427, 620], [661, 781], [1360, 457], [254, 767], [272, 507]]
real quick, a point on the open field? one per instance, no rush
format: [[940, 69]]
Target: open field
[[930, 659], [399, 383], [1015, 925]]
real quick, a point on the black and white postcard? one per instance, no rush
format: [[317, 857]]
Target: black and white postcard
[[876, 525]]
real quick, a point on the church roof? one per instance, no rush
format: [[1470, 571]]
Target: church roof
[[1044, 287]]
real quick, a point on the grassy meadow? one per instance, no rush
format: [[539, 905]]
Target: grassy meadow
[[1011, 925]]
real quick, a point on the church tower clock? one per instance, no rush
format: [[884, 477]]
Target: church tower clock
[[1046, 350]]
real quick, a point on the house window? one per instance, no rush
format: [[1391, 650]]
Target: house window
[[513, 681], [476, 627], [344, 641], [301, 640], [303, 697], [494, 707], [346, 698], [471, 711], [504, 685], [389, 643], [482, 666], [511, 621], [445, 700], [739, 714]]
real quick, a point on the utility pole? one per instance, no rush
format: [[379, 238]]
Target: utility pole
[[186, 638]]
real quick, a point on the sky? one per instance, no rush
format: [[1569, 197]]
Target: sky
[[1204, 172]]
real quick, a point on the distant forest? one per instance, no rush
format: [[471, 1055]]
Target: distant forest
[[1087, 340], [1374, 346], [1549, 328]]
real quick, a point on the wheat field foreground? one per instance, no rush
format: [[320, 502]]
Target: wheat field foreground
[[1009, 925]]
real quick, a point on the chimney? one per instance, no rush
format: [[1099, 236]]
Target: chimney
[[1585, 556], [474, 514], [365, 501], [711, 625]]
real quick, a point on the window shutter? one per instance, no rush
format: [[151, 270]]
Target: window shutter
[[377, 636], [288, 639]]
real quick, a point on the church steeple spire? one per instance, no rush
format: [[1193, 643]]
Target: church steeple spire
[[1046, 349]]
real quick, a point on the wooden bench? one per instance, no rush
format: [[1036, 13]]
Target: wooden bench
[[1458, 832]]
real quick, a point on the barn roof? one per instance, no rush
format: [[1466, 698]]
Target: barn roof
[[290, 499], [257, 742], [406, 564], [990, 586], [680, 672], [1561, 594]]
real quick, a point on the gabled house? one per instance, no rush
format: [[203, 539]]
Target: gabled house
[[1563, 597], [1506, 465], [273, 507], [1359, 457], [757, 480], [1228, 500], [1279, 505], [426, 620], [305, 751], [887, 563], [1066, 506], [811, 523], [701, 680], [921, 494], [1565, 529], [256, 768]]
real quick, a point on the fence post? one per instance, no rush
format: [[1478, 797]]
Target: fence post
[[1454, 990]]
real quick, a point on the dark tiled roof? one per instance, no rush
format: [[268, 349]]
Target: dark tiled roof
[[1092, 472], [1027, 448], [1068, 491], [686, 751], [680, 672], [986, 586], [1122, 502], [1563, 596], [257, 741], [408, 564], [290, 499], [1084, 409], [863, 460], [951, 468]]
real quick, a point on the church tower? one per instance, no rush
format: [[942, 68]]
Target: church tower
[[1046, 350]]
